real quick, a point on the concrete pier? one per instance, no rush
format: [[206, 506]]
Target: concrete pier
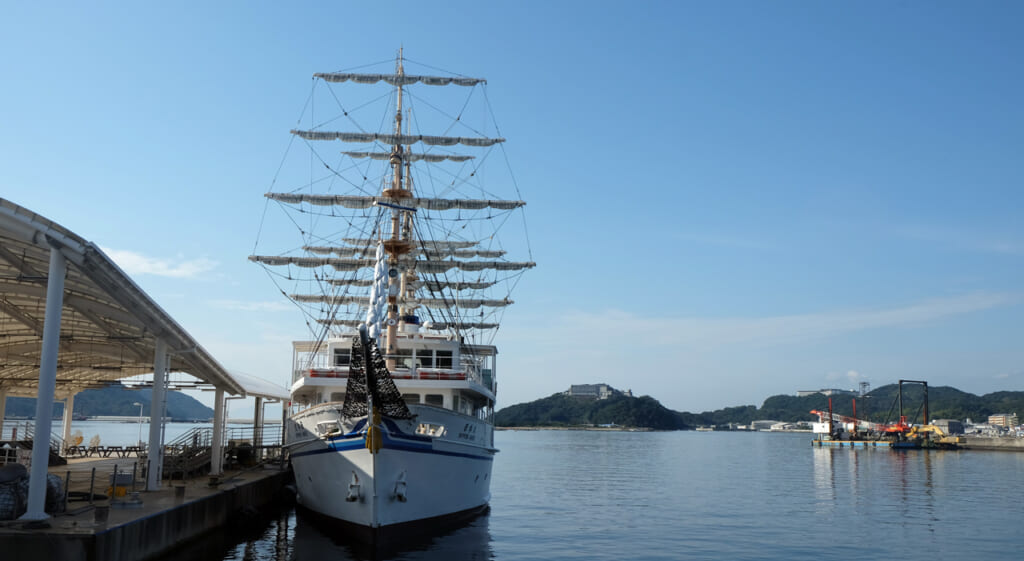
[[123, 529], [1008, 443]]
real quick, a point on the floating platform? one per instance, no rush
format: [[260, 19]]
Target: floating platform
[[891, 444], [853, 443], [133, 526]]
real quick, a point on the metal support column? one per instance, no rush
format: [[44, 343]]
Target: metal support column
[[155, 452], [69, 408], [217, 446], [3, 411], [47, 386], [257, 429]]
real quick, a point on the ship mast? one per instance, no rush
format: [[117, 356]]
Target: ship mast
[[398, 244], [409, 259]]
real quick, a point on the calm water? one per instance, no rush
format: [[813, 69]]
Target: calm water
[[688, 495]]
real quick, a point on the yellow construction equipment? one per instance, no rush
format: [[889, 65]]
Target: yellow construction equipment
[[935, 434]]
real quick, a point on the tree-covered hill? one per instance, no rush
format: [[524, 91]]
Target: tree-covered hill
[[562, 410], [880, 405], [116, 400]]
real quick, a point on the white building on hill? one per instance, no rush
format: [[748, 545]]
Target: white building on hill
[[595, 391]]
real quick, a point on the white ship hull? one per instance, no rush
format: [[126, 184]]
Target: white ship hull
[[411, 478]]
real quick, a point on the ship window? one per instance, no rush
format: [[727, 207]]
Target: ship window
[[342, 357], [412, 398], [403, 358], [338, 396], [424, 358], [444, 359], [434, 399]]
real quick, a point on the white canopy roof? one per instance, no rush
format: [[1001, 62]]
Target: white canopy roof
[[109, 326]]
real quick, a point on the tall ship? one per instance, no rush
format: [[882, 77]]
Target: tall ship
[[399, 255]]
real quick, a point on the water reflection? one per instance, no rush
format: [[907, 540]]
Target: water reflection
[[291, 535], [824, 479], [315, 540], [899, 485]]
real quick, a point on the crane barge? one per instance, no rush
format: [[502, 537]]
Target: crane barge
[[835, 430]]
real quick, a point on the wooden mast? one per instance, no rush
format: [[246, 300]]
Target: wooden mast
[[398, 243]]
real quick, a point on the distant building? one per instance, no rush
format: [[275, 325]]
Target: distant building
[[826, 392], [595, 391], [1003, 420], [949, 426], [984, 429], [763, 425]]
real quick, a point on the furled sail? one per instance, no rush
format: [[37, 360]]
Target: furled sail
[[393, 139], [307, 262], [438, 286], [433, 286], [362, 283], [436, 303], [378, 295], [360, 202], [429, 267], [397, 79], [410, 157], [437, 325], [429, 244], [420, 266], [429, 253], [442, 325]]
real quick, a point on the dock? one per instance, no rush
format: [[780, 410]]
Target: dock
[[1005, 443], [67, 307], [131, 525]]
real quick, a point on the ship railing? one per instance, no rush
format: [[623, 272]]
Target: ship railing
[[400, 374], [324, 373], [429, 374]]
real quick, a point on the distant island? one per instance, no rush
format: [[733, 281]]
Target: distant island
[[600, 405], [115, 400]]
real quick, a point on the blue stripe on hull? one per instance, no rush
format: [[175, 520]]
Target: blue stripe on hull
[[356, 441]]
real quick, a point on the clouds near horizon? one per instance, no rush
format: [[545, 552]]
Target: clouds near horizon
[[135, 263], [772, 330]]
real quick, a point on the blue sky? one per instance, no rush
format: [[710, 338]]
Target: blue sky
[[726, 200]]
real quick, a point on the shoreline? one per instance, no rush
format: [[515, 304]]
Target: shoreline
[[632, 429], [604, 429]]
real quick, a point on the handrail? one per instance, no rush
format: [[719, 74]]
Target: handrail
[[28, 433]]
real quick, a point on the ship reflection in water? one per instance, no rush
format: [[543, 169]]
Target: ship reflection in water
[[294, 535], [315, 540]]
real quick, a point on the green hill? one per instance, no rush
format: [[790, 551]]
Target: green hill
[[562, 410], [880, 405], [116, 400]]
